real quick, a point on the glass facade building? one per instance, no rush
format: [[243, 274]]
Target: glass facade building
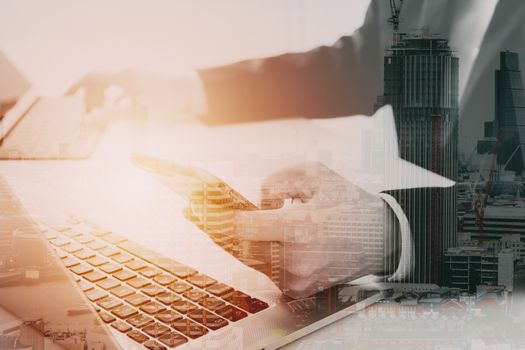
[[421, 85], [510, 112]]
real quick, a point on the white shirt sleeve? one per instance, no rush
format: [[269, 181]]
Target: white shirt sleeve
[[405, 265]]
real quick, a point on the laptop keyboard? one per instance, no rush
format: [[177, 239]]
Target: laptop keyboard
[[154, 300], [54, 129]]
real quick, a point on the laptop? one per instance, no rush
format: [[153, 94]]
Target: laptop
[[76, 285], [35, 127]]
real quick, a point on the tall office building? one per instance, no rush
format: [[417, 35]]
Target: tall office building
[[510, 112], [421, 85]]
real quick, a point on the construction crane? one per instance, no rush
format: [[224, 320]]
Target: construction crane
[[395, 9], [481, 201]]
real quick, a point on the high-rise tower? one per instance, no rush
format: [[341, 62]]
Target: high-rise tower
[[510, 112], [421, 85]]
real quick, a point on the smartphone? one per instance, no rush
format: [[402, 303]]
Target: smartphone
[[176, 176]]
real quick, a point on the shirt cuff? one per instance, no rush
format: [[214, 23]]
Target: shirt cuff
[[405, 264]]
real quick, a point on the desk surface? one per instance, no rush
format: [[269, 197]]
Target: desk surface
[[109, 190]]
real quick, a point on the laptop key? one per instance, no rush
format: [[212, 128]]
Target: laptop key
[[81, 269], [179, 287], [152, 308], [201, 280], [207, 318], [149, 272], [50, 235], [231, 313], [124, 311], [189, 328], [154, 345], [257, 305], [168, 316], [96, 261], [140, 251], [99, 232], [139, 320], [95, 294], [84, 254], [113, 238], [195, 295], [183, 306], [84, 239], [61, 254], [211, 303], [137, 299], [70, 262], [138, 282], [109, 303], [96, 245], [245, 302], [175, 268], [124, 275], [164, 280], [72, 248], [85, 286], [122, 291], [110, 268], [152, 290], [108, 283], [60, 242], [167, 298], [155, 329], [136, 265], [137, 336], [219, 289], [122, 258], [72, 233], [94, 276], [173, 339], [107, 318], [109, 251], [121, 326]]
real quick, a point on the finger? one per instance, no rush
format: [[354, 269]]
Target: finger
[[299, 182], [6, 103], [73, 89], [94, 98]]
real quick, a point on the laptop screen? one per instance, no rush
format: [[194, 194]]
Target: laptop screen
[[13, 85]]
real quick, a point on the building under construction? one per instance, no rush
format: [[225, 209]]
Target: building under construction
[[421, 85]]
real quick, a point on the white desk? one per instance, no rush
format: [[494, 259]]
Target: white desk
[[109, 190]]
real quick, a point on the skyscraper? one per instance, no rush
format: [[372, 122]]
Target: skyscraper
[[421, 85], [510, 112]]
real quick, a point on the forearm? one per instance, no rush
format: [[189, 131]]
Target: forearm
[[329, 81]]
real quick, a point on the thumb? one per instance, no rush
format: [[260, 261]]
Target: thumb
[[275, 191], [265, 225]]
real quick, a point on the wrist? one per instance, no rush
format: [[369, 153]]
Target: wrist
[[198, 103]]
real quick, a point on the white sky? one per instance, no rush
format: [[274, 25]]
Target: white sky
[[56, 41]]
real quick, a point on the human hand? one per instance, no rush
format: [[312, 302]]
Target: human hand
[[173, 94], [332, 233], [6, 103]]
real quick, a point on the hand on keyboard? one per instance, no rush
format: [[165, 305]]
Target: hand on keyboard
[[323, 238], [174, 94]]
